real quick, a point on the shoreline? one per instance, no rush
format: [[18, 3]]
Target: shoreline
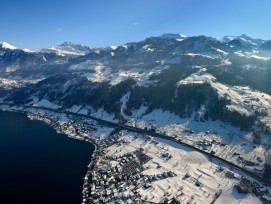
[[63, 133]]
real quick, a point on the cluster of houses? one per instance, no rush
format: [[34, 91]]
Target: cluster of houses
[[206, 145], [74, 127], [117, 179], [254, 166], [246, 186]]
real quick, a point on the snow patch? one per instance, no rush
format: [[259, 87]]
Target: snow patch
[[47, 104]]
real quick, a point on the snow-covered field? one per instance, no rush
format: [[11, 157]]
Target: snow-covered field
[[183, 161], [222, 139], [243, 99], [47, 104], [101, 72]]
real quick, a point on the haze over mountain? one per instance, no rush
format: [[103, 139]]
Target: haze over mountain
[[218, 78]]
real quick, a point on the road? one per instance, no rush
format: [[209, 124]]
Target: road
[[159, 135]]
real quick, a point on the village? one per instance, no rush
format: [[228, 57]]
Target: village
[[143, 170], [129, 167]]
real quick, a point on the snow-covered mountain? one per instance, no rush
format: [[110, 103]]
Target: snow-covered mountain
[[223, 79], [245, 40], [5, 45], [178, 37], [266, 46], [68, 49]]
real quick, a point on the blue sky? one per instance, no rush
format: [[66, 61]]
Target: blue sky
[[38, 23]]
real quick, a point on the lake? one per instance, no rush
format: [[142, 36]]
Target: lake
[[38, 165]]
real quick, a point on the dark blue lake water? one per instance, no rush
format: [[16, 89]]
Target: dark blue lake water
[[38, 165]]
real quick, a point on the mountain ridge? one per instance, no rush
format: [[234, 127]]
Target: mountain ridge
[[84, 49], [192, 74]]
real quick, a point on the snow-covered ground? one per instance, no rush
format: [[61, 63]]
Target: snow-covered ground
[[47, 104], [8, 83], [253, 55], [243, 99], [100, 72], [223, 139], [220, 138], [183, 161]]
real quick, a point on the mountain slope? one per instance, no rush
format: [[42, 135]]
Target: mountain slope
[[198, 77], [245, 40]]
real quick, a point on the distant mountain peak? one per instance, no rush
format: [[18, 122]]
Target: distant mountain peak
[[266, 45], [6, 45], [245, 40], [173, 36], [244, 36], [67, 43], [111, 47], [68, 49]]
